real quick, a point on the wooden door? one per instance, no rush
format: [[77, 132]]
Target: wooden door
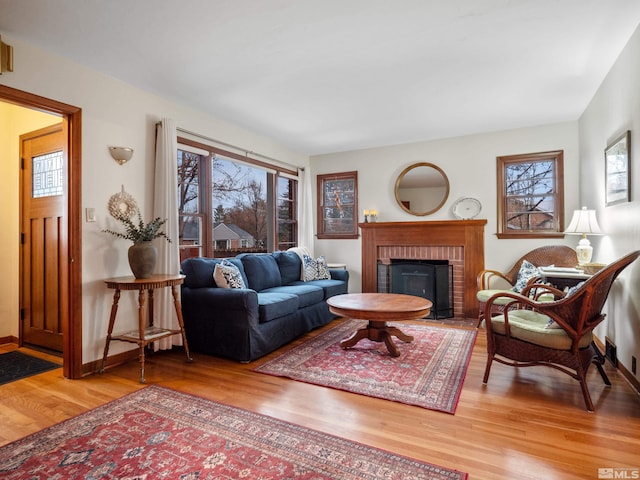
[[44, 242]]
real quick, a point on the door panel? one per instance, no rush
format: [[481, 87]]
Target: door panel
[[44, 240]]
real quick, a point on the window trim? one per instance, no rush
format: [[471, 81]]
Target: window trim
[[502, 162], [206, 205]]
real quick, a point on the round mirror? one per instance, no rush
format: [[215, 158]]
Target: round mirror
[[422, 188]]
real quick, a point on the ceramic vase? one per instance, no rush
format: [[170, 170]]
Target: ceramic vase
[[142, 259]]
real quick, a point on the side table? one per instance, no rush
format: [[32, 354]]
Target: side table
[[562, 278], [145, 334]]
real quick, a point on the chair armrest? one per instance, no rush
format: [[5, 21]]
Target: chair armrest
[[486, 276], [536, 290]]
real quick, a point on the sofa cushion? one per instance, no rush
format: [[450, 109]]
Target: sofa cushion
[[261, 270], [307, 294], [199, 271], [227, 275], [272, 305], [289, 264], [330, 287]]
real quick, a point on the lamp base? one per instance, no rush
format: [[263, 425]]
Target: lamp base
[[584, 251]]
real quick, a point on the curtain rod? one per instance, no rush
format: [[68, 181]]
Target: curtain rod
[[246, 152]]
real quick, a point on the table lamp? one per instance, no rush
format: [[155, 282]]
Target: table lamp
[[584, 223]]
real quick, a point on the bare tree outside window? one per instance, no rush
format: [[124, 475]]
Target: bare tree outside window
[[530, 195], [228, 206]]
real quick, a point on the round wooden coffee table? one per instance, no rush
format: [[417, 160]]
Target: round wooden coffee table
[[379, 308]]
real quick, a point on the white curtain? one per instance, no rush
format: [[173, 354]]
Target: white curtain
[[305, 211], [165, 205]]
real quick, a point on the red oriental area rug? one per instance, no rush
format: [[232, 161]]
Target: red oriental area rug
[[428, 373], [160, 433]]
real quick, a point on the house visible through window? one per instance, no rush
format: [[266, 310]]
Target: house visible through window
[[229, 204], [531, 195]]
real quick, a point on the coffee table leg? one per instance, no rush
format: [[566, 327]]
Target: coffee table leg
[[378, 331], [396, 332], [355, 338]]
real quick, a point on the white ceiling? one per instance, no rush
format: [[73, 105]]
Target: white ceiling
[[323, 76]]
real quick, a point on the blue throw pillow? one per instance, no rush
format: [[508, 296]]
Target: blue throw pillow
[[527, 272], [227, 275]]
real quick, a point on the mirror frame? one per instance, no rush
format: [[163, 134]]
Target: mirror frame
[[405, 172]]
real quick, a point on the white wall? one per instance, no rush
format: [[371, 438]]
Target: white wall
[[470, 164], [614, 109], [114, 113]]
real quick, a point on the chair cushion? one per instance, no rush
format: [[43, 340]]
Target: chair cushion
[[530, 326], [484, 295]]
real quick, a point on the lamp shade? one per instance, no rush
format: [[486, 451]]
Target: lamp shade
[[584, 222]]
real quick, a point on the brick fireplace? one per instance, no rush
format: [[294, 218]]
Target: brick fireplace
[[461, 242]]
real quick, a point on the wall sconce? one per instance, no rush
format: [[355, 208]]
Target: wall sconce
[[584, 223], [121, 154]]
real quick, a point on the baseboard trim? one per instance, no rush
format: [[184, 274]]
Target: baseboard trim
[[629, 377], [112, 360]]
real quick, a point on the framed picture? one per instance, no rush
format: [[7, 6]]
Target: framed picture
[[616, 158], [338, 205]]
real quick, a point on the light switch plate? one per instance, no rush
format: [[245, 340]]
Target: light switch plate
[[90, 214]]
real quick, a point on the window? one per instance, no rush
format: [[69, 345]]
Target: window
[[338, 205], [229, 204], [531, 195]]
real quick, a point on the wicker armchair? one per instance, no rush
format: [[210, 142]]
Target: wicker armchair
[[523, 335], [558, 255]]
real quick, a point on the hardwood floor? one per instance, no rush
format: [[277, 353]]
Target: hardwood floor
[[525, 423]]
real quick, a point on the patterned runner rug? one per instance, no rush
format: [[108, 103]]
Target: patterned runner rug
[[15, 365], [428, 373], [160, 433]]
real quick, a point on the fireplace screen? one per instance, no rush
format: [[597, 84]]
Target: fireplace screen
[[430, 279]]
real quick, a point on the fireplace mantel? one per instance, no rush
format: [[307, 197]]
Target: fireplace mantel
[[468, 234]]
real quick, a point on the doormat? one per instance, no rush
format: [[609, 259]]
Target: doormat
[[156, 432], [15, 365], [428, 373]]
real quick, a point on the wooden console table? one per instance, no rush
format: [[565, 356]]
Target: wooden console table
[[145, 334]]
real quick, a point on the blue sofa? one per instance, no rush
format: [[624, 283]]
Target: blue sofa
[[244, 324]]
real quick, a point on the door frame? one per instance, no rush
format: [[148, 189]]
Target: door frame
[[71, 326]]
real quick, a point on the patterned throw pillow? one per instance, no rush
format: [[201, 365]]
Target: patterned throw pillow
[[314, 269], [227, 275], [527, 272]]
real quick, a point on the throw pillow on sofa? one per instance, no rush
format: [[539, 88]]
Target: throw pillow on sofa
[[227, 275], [315, 269]]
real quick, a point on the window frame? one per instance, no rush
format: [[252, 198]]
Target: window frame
[[206, 207], [502, 163], [349, 178]]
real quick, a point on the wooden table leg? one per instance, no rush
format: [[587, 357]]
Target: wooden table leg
[[142, 297], [378, 331], [112, 320], [178, 306]]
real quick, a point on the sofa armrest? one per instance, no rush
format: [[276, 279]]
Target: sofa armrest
[[339, 274], [220, 303]]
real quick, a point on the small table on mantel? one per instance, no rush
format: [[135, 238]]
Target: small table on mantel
[[145, 334], [379, 308]]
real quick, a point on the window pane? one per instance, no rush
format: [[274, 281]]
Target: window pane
[[46, 175], [239, 196], [189, 222], [530, 193], [286, 214]]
